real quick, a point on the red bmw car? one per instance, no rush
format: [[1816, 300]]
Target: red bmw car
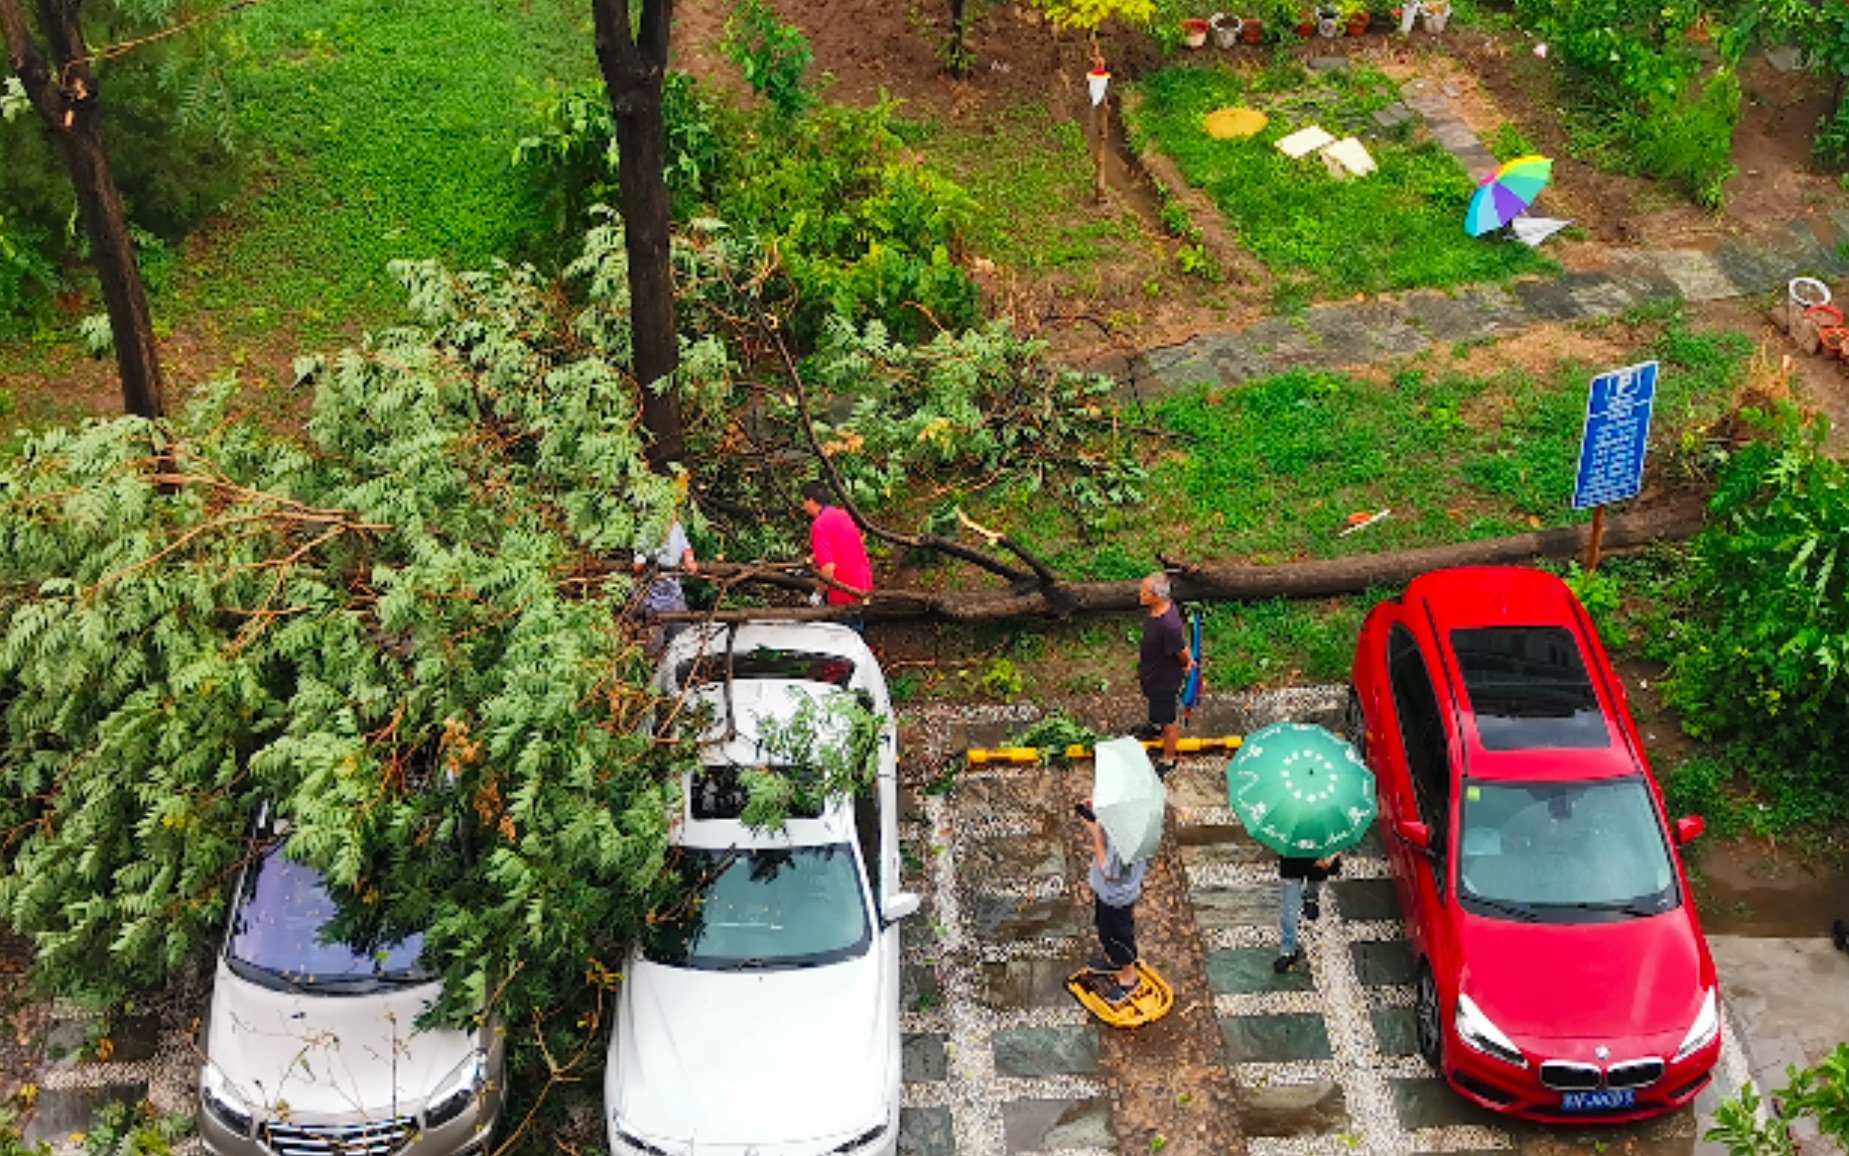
[[1562, 973]]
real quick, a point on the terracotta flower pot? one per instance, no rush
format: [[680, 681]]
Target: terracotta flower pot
[[1306, 28], [1194, 33], [1251, 31], [1357, 25]]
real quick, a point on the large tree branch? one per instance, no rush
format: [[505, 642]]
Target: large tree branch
[[1237, 582]]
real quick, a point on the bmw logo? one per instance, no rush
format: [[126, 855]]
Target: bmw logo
[[1602, 1052]]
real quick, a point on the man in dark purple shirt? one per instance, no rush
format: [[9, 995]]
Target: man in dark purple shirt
[[1162, 665]]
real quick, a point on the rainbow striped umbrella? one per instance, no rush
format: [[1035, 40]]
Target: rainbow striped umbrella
[[1505, 195]]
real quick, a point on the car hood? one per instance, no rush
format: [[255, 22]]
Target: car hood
[[756, 1058], [329, 1057], [1635, 985]]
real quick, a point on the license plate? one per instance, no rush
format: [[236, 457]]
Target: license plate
[[1605, 1101]]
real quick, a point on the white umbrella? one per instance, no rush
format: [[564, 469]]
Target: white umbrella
[[1128, 798]]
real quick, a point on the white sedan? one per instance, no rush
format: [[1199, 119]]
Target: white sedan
[[767, 1017]]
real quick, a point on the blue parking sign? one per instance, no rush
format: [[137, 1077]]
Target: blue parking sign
[[1611, 450]]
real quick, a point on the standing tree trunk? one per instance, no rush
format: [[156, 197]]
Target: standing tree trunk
[[955, 52], [63, 91], [633, 70]]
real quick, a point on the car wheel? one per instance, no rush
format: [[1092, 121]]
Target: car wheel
[[1428, 1019], [1354, 723]]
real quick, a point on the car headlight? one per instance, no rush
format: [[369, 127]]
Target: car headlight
[[1707, 1025], [1475, 1029], [866, 1139], [223, 1100], [457, 1090]]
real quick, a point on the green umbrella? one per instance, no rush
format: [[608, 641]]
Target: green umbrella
[[1128, 798], [1300, 790]]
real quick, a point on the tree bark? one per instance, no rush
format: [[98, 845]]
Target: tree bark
[[1234, 582], [634, 68], [956, 54], [63, 90]]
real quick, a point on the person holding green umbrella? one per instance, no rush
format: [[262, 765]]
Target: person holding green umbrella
[[1307, 795]]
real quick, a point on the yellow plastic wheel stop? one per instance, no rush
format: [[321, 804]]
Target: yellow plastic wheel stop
[[977, 756], [1152, 999]]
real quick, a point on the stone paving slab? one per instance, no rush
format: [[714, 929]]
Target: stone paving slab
[[1272, 1039], [1382, 964], [1017, 984], [1248, 970], [60, 1113], [1317, 1107], [926, 1132], [1365, 900], [1057, 1125], [922, 1057], [1057, 1051], [1223, 907]]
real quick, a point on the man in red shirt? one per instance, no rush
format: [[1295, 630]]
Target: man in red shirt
[[837, 550]]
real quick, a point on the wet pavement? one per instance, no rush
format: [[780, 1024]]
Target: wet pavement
[[998, 1058], [1321, 1059]]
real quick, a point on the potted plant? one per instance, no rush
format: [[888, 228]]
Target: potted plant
[[1306, 25], [1225, 29], [1251, 29], [1435, 13], [1354, 16], [1194, 33], [1328, 20]]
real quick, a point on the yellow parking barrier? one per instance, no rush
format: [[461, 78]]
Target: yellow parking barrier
[[979, 757]]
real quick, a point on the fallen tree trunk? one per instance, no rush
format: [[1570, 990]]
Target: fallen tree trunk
[[1234, 582]]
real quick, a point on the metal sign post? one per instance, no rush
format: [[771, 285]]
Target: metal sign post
[[1611, 448]]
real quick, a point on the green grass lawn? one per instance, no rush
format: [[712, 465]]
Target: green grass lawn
[[375, 132], [1031, 177], [1399, 228], [1269, 471]]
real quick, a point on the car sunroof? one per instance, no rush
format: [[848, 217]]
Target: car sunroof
[[795, 665], [1528, 688]]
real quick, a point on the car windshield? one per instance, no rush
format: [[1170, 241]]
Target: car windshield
[[1528, 688], [1581, 852], [280, 935], [795, 907]]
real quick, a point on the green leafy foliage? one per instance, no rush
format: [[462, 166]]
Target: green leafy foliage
[[134, 1129], [378, 631], [1646, 100], [971, 406], [1400, 228], [830, 747], [13, 1140], [856, 226], [772, 55], [1760, 657], [167, 128], [1821, 31], [1052, 734], [1088, 15], [1819, 1094]]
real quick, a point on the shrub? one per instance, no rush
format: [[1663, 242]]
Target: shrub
[[1762, 652], [1644, 85]]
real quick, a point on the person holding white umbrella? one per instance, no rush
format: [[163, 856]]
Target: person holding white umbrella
[[1125, 830]]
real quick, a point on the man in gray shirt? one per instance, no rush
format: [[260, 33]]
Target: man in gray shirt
[[1115, 887]]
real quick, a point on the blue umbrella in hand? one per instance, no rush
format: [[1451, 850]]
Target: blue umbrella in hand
[[1191, 693]]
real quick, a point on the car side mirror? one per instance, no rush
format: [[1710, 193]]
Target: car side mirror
[[1689, 829], [900, 906], [1416, 834]]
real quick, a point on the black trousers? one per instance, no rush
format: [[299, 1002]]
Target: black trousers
[[1116, 932]]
